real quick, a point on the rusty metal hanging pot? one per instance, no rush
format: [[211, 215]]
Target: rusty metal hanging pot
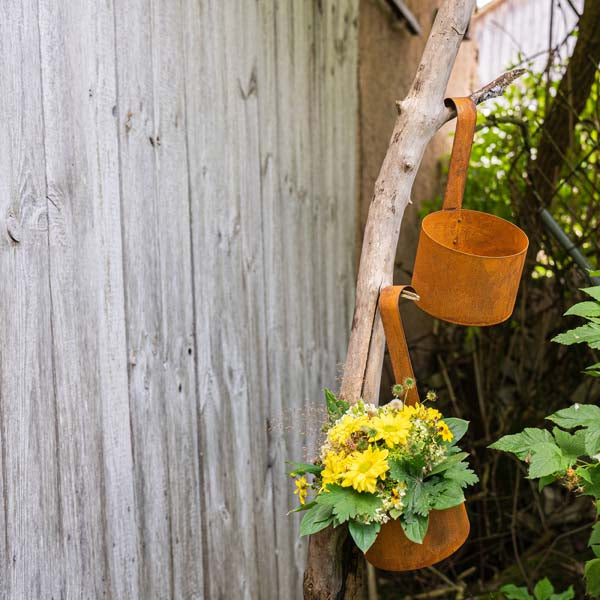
[[468, 263], [448, 529]]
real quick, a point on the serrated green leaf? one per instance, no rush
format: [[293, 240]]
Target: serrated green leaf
[[401, 470], [592, 577], [591, 480], [451, 496], [547, 459], [303, 468], [448, 462], [589, 333], [593, 291], [458, 427], [363, 535], [512, 592], [568, 594], [571, 444], [346, 502], [578, 415], [316, 518], [415, 527], [592, 441], [522, 444], [543, 589], [594, 540], [462, 475], [584, 309]]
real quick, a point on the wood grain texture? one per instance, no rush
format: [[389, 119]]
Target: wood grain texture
[[31, 535], [177, 225]]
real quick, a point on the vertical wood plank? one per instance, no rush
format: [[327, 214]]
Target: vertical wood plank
[[221, 42], [31, 560], [86, 281], [159, 307]]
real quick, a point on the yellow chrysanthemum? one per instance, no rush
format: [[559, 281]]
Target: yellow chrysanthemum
[[392, 428], [334, 466], [363, 469], [348, 425], [301, 489], [433, 414], [445, 432]]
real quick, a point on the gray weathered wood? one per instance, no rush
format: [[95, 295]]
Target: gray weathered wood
[[177, 238], [88, 326], [30, 531]]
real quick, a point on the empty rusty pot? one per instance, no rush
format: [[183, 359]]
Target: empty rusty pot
[[393, 551], [448, 529], [468, 263]]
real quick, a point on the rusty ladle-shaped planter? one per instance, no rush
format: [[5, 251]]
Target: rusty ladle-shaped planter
[[468, 263], [448, 529]]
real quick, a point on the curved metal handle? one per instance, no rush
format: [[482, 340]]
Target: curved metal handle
[[394, 335], [461, 151]]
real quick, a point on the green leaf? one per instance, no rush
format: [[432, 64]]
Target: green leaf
[[592, 577], [448, 462], [589, 333], [303, 507], [512, 592], [458, 427], [346, 502], [316, 518], [364, 535], [592, 441], [591, 480], [400, 470], [336, 407], [593, 291], [451, 495], [543, 589], [546, 460], [578, 415], [584, 309], [571, 444], [522, 444], [303, 468], [415, 527], [462, 475], [594, 541], [394, 513], [568, 594]]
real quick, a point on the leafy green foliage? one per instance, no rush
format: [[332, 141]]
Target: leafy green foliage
[[336, 407], [317, 517], [363, 534], [571, 456], [544, 590], [415, 527], [303, 468], [588, 333], [346, 503]]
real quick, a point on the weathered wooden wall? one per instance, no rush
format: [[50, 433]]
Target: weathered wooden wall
[[177, 248]]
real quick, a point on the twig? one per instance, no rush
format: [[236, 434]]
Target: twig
[[487, 92]]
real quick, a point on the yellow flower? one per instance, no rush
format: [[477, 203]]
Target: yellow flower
[[445, 432], [392, 428], [335, 465], [301, 487], [433, 414], [363, 469], [348, 425]]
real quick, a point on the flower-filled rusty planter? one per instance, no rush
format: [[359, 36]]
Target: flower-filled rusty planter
[[468, 263], [448, 529]]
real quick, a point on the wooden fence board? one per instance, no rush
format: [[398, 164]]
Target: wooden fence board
[[178, 179]]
